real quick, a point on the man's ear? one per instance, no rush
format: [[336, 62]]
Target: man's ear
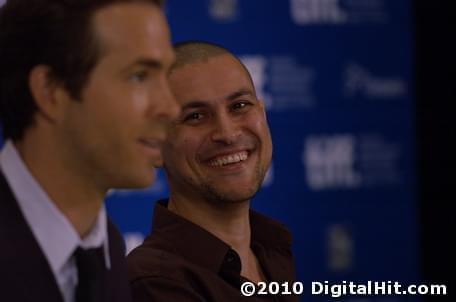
[[48, 93]]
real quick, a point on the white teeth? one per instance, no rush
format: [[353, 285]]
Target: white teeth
[[229, 159]]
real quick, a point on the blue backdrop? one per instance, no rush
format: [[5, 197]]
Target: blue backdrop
[[336, 77]]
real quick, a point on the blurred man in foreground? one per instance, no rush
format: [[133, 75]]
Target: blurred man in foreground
[[84, 107], [205, 240]]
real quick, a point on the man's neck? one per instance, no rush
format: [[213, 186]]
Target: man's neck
[[230, 222], [77, 199]]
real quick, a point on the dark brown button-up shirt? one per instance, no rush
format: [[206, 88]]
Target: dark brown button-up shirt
[[180, 261]]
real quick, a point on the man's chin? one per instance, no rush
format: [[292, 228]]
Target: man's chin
[[233, 196], [139, 181]]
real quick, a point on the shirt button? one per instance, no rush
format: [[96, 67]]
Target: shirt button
[[230, 256]]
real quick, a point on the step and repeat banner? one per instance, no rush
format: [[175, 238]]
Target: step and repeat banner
[[337, 80]]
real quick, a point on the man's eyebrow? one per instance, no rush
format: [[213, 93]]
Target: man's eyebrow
[[194, 104], [232, 96], [146, 62], [239, 93]]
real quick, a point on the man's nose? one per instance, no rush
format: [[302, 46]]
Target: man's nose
[[226, 130], [164, 104]]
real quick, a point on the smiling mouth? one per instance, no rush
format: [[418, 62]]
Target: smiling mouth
[[229, 159]]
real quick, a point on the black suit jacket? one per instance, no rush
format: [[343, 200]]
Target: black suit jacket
[[25, 274]]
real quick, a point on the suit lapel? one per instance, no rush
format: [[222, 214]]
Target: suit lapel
[[26, 274]]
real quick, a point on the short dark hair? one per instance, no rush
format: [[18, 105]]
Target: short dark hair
[[193, 51], [56, 33]]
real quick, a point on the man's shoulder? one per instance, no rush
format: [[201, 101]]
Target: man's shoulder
[[269, 231], [153, 258], [23, 263], [12, 221], [115, 237], [5, 191], [156, 273], [116, 245], [117, 282]]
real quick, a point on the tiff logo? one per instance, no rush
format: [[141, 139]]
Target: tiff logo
[[305, 12], [257, 65], [329, 162]]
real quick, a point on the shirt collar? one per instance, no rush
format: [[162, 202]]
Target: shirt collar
[[194, 243], [187, 239], [54, 233]]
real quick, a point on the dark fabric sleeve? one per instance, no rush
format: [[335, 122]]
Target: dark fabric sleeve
[[118, 287], [159, 289]]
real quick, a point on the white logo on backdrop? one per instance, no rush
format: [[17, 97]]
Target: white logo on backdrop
[[339, 241], [256, 65], [282, 82], [346, 161], [338, 12], [317, 11], [330, 162], [358, 81], [224, 10]]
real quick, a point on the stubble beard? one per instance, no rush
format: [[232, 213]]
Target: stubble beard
[[215, 195]]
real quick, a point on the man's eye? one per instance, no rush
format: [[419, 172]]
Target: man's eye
[[240, 105], [194, 116], [138, 76]]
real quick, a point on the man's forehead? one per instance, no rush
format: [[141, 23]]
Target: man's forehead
[[223, 61], [193, 52], [137, 30], [244, 92], [217, 68], [210, 84]]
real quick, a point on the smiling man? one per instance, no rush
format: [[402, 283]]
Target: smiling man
[[205, 239], [84, 106]]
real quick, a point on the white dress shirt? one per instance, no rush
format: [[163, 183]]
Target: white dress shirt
[[54, 233]]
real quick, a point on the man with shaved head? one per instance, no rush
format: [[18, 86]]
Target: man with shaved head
[[205, 240]]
